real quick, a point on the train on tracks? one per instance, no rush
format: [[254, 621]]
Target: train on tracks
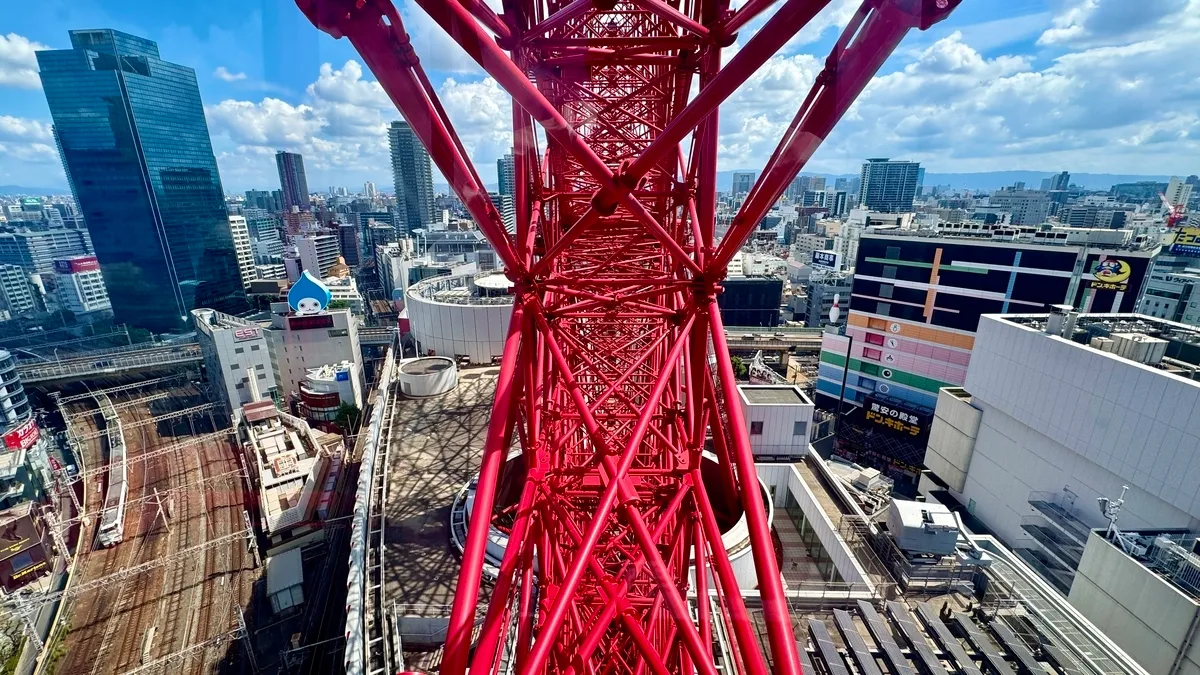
[[112, 520]]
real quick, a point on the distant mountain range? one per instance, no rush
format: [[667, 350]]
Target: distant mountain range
[[17, 190], [991, 180]]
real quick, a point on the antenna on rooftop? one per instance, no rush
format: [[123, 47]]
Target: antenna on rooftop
[[1111, 509]]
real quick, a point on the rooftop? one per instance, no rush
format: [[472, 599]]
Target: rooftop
[[773, 395], [1004, 234], [1166, 345]]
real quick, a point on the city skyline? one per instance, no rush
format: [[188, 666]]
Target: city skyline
[[970, 94]]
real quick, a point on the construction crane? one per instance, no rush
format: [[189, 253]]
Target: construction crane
[[616, 268], [1175, 212]]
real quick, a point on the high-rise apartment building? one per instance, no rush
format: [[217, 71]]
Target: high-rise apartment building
[[36, 251], [350, 244], [136, 149], [413, 175], [917, 304], [1178, 191], [1028, 207], [293, 183], [271, 201], [80, 285], [369, 190], [504, 204], [887, 185], [505, 176], [317, 253], [742, 182], [1060, 181], [15, 291], [245, 253]]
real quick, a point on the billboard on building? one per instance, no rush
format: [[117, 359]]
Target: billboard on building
[[85, 263], [23, 437], [898, 419], [1111, 274], [244, 334], [1187, 242], [827, 260]]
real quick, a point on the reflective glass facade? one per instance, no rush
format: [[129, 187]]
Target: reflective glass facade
[[137, 152]]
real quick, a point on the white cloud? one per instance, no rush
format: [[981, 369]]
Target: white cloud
[[1090, 23], [341, 128], [18, 62], [25, 130], [222, 73]]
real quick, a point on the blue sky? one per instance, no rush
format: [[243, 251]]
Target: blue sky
[[1085, 85]]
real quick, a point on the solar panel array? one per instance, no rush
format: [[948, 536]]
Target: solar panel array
[[983, 644], [820, 635], [926, 660], [946, 640], [1025, 661], [883, 637], [855, 643]]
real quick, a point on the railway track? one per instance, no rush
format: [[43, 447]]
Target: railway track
[[166, 609]]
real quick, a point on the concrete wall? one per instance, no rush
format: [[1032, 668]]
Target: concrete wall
[[1143, 613], [1057, 414], [952, 438], [778, 424], [476, 331], [782, 479]]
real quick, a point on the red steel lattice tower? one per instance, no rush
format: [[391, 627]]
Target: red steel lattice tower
[[615, 376]]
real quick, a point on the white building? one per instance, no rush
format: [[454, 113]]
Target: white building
[[305, 335], [241, 245], [779, 419], [234, 348], [1178, 192], [317, 252], [462, 317], [326, 388], [1044, 426], [80, 285], [15, 288], [345, 290]]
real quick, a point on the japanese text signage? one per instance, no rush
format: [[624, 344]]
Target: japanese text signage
[[828, 260], [1187, 242], [897, 419], [22, 437], [1111, 274]]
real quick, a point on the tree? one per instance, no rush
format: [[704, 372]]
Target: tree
[[739, 367], [347, 417]]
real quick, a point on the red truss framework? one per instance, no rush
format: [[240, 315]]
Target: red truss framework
[[615, 373]]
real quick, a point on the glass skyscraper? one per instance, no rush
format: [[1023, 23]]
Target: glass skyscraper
[[137, 153]]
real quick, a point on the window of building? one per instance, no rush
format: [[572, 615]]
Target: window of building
[[339, 332], [873, 339], [870, 368], [883, 308], [259, 367], [889, 271], [239, 385], [234, 366], [254, 348], [239, 350], [756, 428], [262, 376], [873, 354], [893, 253], [800, 428], [885, 290]]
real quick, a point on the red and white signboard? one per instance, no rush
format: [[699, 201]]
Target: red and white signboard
[[83, 263], [23, 436], [243, 334]]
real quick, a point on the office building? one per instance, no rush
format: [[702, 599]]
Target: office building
[[1061, 181], [505, 175], [888, 185], [317, 253], [742, 182], [1141, 191], [235, 352], [1178, 191], [369, 191], [269, 201], [1028, 207], [293, 184], [241, 245], [1060, 416], [24, 467], [36, 251], [820, 290], [1084, 215], [306, 334], [917, 300], [504, 204], [136, 149], [18, 295], [80, 285], [413, 176], [751, 301], [350, 244]]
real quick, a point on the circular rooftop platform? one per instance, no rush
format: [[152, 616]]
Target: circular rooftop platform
[[426, 365], [494, 282], [427, 376]]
